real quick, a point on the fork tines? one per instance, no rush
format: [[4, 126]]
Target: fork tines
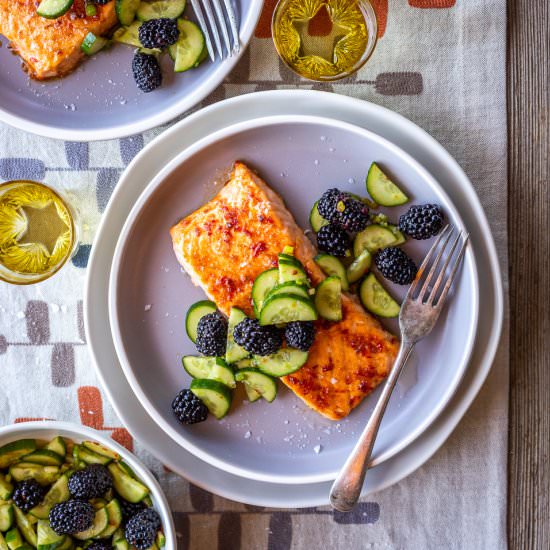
[[438, 270], [220, 17]]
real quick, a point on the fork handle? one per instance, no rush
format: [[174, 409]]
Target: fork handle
[[346, 489]]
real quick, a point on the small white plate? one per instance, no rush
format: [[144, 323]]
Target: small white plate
[[159, 153], [300, 158]]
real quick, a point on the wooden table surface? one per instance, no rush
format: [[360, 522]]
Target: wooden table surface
[[529, 256]]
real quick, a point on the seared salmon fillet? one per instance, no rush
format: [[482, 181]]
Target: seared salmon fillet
[[51, 47], [228, 242]]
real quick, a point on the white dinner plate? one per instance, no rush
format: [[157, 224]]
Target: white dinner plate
[[144, 167], [281, 442]]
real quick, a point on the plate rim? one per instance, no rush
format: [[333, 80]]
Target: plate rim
[[183, 156], [410, 459], [186, 102]]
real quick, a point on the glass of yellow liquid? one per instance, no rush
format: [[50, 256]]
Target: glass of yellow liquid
[[38, 233], [324, 40]]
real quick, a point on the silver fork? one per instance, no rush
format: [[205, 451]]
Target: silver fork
[[218, 19], [419, 313]]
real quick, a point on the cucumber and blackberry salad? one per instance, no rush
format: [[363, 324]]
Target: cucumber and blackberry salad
[[64, 495]]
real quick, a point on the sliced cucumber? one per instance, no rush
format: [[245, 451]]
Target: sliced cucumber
[[400, 238], [251, 394], [264, 282], [3, 543], [6, 517], [156, 9], [187, 51], [334, 267], [52, 9], [328, 299], [211, 368], [315, 219], [48, 539], [234, 352], [289, 287], [91, 457], [25, 527], [57, 445], [101, 450], [6, 488], [285, 361], [101, 521], [376, 299], [125, 468], [93, 44], [45, 457], [291, 270], [259, 382], [67, 544], [285, 308], [126, 11], [13, 539], [12, 452], [243, 363], [45, 475], [382, 190], [127, 487], [130, 35], [215, 395], [161, 539], [359, 266], [288, 250], [114, 513], [195, 313], [59, 492], [373, 238]]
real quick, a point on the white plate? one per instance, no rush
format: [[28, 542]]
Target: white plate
[[275, 442], [144, 167]]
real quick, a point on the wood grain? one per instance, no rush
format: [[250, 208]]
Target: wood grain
[[529, 249]]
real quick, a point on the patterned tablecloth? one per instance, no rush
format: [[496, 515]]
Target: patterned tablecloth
[[440, 63]]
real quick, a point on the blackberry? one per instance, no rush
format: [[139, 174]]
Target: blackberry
[[257, 339], [422, 221], [189, 409], [73, 516], [130, 509], [395, 265], [158, 33], [327, 203], [147, 73], [152, 516], [334, 240], [352, 215], [140, 531], [104, 544], [212, 335], [28, 494], [92, 482], [300, 334]]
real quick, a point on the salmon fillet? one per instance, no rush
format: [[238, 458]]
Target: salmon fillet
[[228, 242], [51, 47]]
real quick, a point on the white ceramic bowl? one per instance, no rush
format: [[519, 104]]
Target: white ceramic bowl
[[50, 428]]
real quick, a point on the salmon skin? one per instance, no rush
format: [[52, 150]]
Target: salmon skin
[[229, 241], [51, 47]]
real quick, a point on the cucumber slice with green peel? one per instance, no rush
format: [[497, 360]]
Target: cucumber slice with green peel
[[189, 47], [155, 9], [45, 475], [373, 238], [127, 487], [400, 237], [243, 363], [251, 394], [48, 539], [289, 258], [130, 35], [211, 368], [195, 313], [285, 308], [332, 266], [101, 521], [12, 452], [101, 450], [215, 395], [57, 445], [289, 287], [263, 384], [126, 10], [67, 544], [52, 9], [114, 512], [58, 492], [6, 488], [288, 250], [284, 362], [376, 299], [25, 527], [264, 282], [14, 539], [45, 457], [90, 457], [359, 266], [6, 517], [93, 44], [315, 219], [234, 352], [121, 544], [125, 468], [291, 270], [328, 299], [3, 543], [382, 190], [161, 540]]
